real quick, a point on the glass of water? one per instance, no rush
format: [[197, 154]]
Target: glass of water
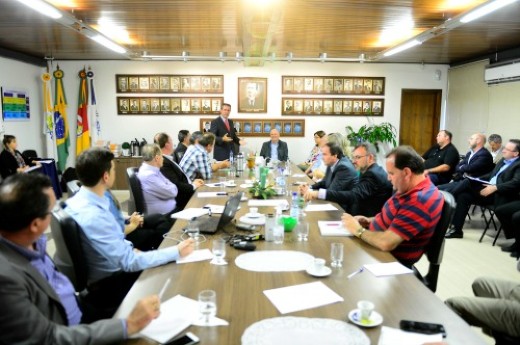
[[219, 251], [302, 230], [207, 305], [192, 230], [336, 254]]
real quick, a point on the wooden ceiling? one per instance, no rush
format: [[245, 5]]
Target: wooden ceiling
[[343, 29]]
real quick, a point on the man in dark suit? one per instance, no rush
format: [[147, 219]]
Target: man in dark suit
[[340, 174], [368, 196], [173, 172], [225, 134], [275, 149], [503, 187], [39, 303], [184, 141]]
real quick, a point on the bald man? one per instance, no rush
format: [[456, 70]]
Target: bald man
[[275, 149], [478, 160]]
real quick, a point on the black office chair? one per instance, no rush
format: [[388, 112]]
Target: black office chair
[[73, 187], [136, 191], [435, 249], [489, 221], [30, 154]]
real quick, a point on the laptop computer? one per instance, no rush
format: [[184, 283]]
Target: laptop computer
[[211, 224]]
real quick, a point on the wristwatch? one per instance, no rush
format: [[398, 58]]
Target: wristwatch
[[360, 232]]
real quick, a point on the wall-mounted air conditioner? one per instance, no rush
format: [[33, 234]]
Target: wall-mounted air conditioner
[[503, 72]]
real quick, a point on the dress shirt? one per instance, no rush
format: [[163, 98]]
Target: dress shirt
[[115, 211], [274, 151], [196, 160], [104, 245], [507, 163], [61, 284], [159, 192]]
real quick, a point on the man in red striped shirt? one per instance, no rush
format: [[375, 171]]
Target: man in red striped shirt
[[408, 219]]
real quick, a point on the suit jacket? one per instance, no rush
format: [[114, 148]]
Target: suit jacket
[[480, 164], [180, 150], [508, 182], [222, 149], [343, 177], [283, 151], [8, 163], [368, 196], [34, 312], [175, 174]]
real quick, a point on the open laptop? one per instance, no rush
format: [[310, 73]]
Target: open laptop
[[211, 224]]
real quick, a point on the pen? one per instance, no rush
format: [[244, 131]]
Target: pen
[[163, 290], [355, 272], [223, 193]]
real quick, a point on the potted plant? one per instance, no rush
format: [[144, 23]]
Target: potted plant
[[262, 192], [372, 133], [126, 148]]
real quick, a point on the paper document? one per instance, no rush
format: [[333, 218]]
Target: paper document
[[320, 207], [333, 228], [387, 269], [32, 168], [196, 255], [210, 194], [477, 179], [46, 161], [299, 175], [392, 336], [301, 297], [215, 209], [190, 213], [269, 202]]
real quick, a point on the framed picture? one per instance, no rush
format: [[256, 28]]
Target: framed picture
[[206, 126], [123, 105], [15, 105], [176, 105], [298, 127], [144, 83], [294, 127], [332, 106], [195, 84], [298, 85], [267, 126], [205, 84], [378, 86], [298, 106], [165, 104], [287, 84], [164, 83], [122, 83], [278, 126], [155, 104], [248, 128], [168, 105], [144, 105], [257, 127], [252, 95], [206, 105], [327, 106], [175, 83], [238, 126], [134, 83], [154, 83], [287, 127], [134, 105], [215, 104], [343, 85], [288, 106], [308, 85], [367, 86]]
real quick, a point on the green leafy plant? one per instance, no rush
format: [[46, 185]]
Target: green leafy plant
[[259, 192], [382, 133], [125, 145]]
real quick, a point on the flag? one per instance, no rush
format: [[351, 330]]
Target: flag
[[60, 120], [48, 118], [93, 115], [82, 130]]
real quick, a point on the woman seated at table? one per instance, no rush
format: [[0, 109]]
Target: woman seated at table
[[11, 160], [313, 156], [318, 169]]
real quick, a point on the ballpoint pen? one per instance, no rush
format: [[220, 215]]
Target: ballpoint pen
[[163, 290], [355, 272]]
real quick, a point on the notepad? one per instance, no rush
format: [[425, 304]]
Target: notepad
[[190, 213], [333, 228], [387, 269]]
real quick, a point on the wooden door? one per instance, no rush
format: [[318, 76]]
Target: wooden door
[[420, 118]]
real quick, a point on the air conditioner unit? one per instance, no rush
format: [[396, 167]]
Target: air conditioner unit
[[503, 72]]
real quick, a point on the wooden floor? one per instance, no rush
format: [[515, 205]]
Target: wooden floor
[[464, 260]]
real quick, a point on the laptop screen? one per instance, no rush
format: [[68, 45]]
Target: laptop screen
[[230, 210]]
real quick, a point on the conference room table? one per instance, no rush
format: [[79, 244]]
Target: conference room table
[[240, 297]]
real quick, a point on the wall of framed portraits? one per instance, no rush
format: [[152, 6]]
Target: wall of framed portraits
[[256, 127]]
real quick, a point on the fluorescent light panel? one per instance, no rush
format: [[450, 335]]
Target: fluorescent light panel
[[109, 44], [486, 9], [402, 47], [42, 7]]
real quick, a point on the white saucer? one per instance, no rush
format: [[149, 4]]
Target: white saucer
[[375, 318], [325, 271], [252, 221], [231, 185], [254, 216]]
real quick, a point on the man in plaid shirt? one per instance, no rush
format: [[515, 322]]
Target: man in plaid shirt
[[196, 161]]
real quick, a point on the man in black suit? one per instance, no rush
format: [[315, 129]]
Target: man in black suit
[[340, 174], [173, 172], [503, 187], [225, 134], [184, 141], [280, 153], [368, 196]]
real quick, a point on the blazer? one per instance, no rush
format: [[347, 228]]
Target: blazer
[[368, 196], [343, 177], [480, 164], [34, 313], [508, 182], [222, 149], [8, 163], [283, 151], [174, 173]]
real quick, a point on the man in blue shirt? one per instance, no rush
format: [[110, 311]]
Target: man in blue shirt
[[39, 302], [275, 149], [113, 265]]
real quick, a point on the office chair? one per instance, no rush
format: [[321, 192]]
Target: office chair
[[136, 191], [491, 220], [73, 187], [30, 154], [435, 249]]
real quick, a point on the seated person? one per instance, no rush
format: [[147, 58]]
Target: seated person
[[11, 160], [478, 161], [509, 216], [368, 196], [159, 193], [408, 219], [196, 162], [275, 149], [495, 147], [313, 156], [441, 159], [184, 141], [173, 172], [113, 265], [39, 302]]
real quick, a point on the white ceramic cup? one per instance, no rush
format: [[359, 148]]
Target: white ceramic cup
[[319, 264], [365, 309], [253, 211]]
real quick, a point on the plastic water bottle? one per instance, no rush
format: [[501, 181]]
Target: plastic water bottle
[[281, 182], [278, 229], [295, 207], [270, 223], [287, 171]]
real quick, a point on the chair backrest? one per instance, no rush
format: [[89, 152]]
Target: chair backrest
[[435, 249], [73, 187], [69, 257], [136, 190], [30, 154]]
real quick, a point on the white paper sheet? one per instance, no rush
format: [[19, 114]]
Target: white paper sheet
[[196, 255], [320, 207], [301, 297], [387, 269], [46, 161], [32, 168], [299, 175], [215, 209], [268, 202], [392, 336], [211, 194], [333, 228], [190, 213]]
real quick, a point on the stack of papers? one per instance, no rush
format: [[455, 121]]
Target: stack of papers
[[320, 207], [392, 336], [211, 194], [333, 228], [268, 202], [190, 213], [387, 269]]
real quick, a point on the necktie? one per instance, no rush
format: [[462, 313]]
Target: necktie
[[226, 122], [328, 177]]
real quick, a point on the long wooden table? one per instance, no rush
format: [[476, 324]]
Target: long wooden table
[[240, 298]]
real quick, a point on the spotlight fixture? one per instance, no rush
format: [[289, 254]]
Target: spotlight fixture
[[239, 56], [185, 56], [222, 56], [272, 56], [323, 57], [289, 57], [362, 57]]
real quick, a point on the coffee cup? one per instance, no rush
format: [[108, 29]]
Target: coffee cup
[[365, 310], [253, 211], [319, 264]]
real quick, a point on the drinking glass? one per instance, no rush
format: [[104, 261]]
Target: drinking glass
[[219, 250], [336, 254], [193, 231], [302, 230], [222, 182], [207, 305]]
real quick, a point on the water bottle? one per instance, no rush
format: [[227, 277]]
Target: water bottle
[[295, 207], [270, 222], [287, 171], [278, 229], [240, 161], [281, 182]]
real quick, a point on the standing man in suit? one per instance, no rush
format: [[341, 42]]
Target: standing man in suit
[[173, 172], [225, 134], [340, 173], [39, 302], [275, 149]]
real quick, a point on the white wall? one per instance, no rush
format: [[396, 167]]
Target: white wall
[[118, 128]]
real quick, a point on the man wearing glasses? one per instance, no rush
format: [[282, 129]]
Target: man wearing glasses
[[368, 196]]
